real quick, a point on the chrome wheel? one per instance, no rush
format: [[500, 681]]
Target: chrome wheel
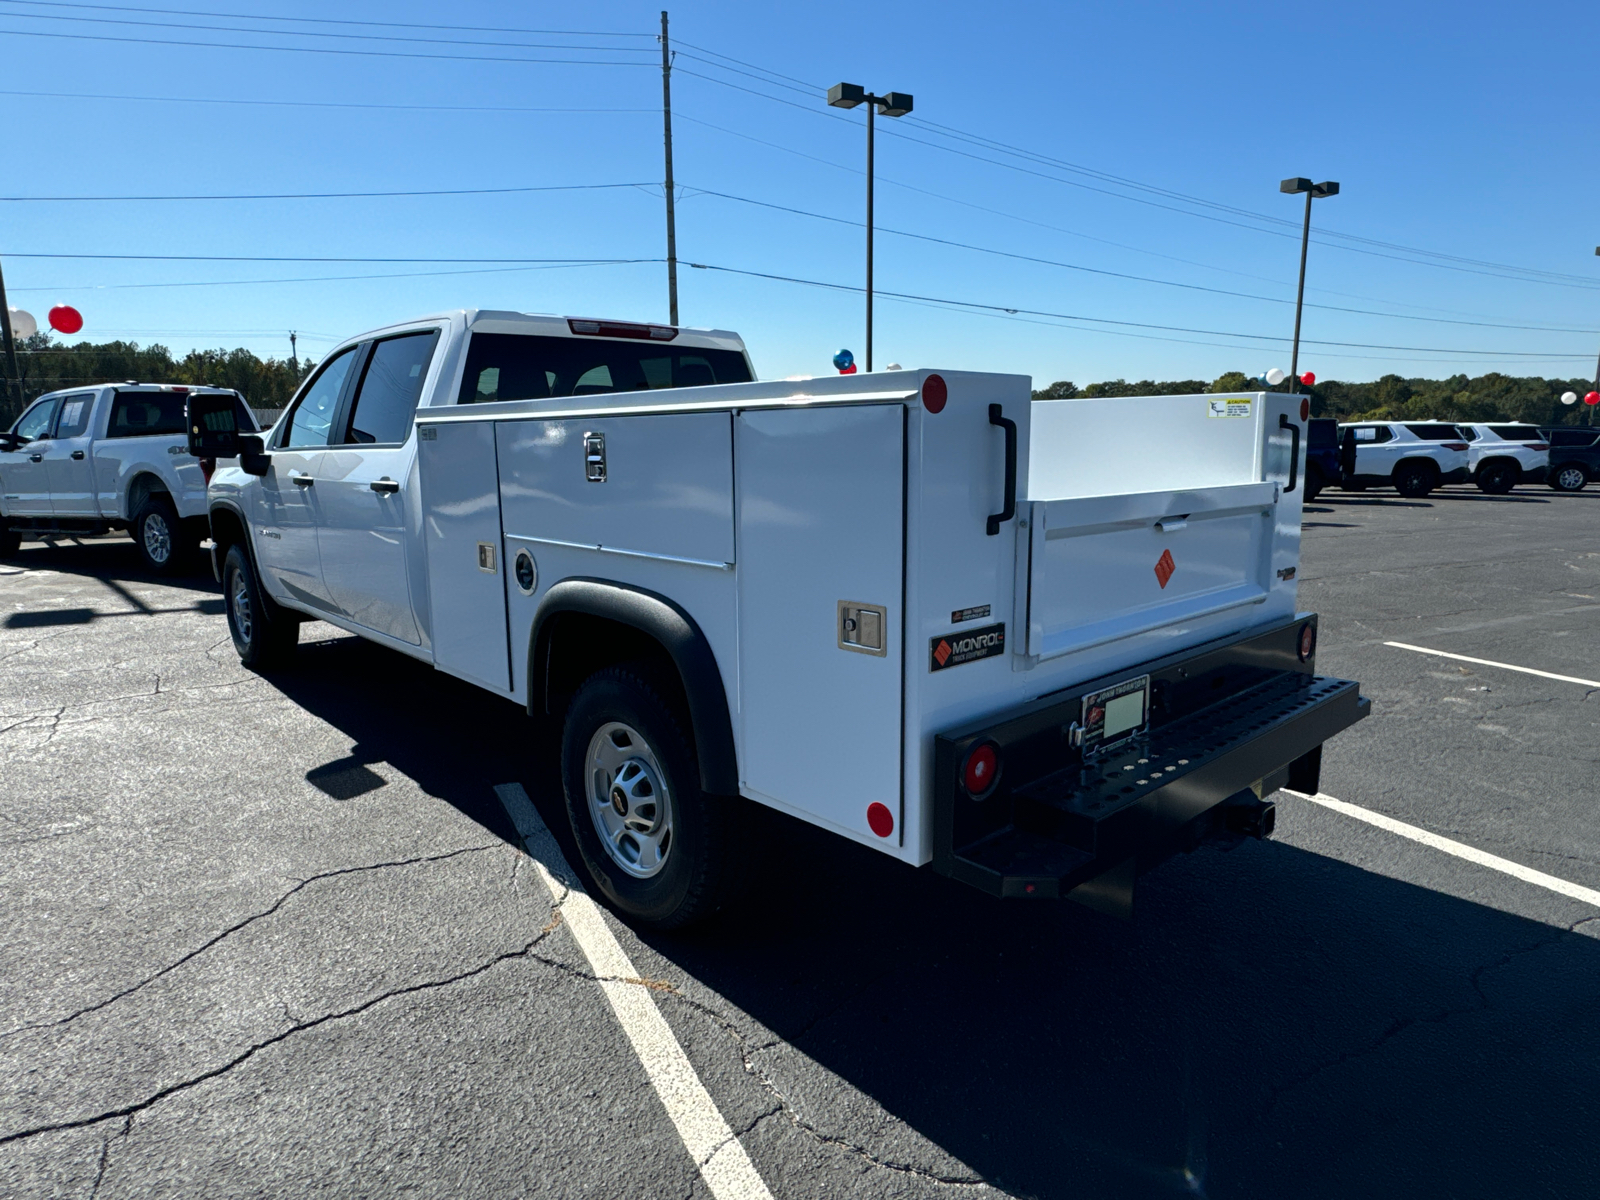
[[157, 538], [1571, 479], [239, 606], [628, 800]]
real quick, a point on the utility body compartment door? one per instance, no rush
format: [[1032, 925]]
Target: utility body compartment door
[[821, 542]]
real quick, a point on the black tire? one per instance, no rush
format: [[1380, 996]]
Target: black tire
[[1497, 478], [1568, 477], [10, 541], [264, 634], [1414, 480], [164, 543], [1349, 486], [693, 870]]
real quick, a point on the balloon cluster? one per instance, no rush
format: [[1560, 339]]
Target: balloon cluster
[[846, 362], [63, 319]]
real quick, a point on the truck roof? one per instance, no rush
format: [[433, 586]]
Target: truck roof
[[492, 320]]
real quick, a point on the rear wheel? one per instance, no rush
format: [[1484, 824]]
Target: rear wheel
[[1569, 478], [161, 539], [1497, 478], [1415, 480], [10, 541], [653, 843], [264, 634]]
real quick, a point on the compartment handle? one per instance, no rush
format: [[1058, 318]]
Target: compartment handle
[[1010, 509], [1294, 450]]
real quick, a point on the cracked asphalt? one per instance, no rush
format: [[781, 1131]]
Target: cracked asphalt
[[276, 937]]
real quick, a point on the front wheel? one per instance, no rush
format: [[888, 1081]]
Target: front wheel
[[1569, 478], [264, 634], [658, 848], [161, 539], [1415, 480], [1497, 478]]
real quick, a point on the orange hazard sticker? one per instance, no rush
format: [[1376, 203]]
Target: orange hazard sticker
[[1165, 566]]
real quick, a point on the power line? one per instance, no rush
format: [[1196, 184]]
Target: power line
[[972, 304], [303, 259], [473, 108], [99, 287], [569, 187], [183, 12], [102, 37]]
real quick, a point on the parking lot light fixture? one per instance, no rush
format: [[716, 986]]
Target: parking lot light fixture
[[891, 104], [1312, 191]]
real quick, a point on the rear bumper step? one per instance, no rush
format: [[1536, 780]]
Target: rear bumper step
[[1056, 826]]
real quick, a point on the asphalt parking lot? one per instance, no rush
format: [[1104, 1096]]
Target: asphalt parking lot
[[279, 937]]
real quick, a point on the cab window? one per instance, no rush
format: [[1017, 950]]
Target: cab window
[[391, 385], [311, 424], [35, 423], [146, 414], [75, 413]]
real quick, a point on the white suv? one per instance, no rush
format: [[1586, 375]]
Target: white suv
[[1412, 457], [1502, 456]]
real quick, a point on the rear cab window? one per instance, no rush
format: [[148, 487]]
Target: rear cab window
[[517, 366], [146, 414]]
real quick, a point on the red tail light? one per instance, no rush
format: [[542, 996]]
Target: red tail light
[[208, 467], [622, 329], [1455, 445], [981, 771], [1538, 445], [1308, 641]]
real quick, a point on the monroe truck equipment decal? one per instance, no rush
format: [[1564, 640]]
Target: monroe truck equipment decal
[[953, 649]]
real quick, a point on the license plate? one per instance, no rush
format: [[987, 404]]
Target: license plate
[[1113, 715]]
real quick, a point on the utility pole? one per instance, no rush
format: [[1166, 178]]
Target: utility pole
[[672, 219], [294, 357], [11, 344]]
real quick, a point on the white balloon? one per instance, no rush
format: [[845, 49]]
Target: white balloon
[[895, 367], [1276, 376], [1569, 397], [22, 324]]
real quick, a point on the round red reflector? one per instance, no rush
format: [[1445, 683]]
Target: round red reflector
[[1305, 409], [934, 393], [978, 775], [880, 819], [1308, 641]]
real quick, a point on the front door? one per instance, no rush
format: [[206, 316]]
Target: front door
[[24, 479], [68, 466], [362, 488], [290, 510]]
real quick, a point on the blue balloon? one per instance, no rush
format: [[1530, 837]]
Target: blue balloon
[[843, 359]]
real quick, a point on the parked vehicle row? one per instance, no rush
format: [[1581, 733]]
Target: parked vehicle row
[[1415, 457], [112, 456]]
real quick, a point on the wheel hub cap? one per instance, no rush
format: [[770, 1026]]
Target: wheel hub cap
[[157, 540], [628, 800]]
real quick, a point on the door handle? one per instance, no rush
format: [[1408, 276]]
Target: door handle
[[1010, 509], [384, 485], [78, 454], [1294, 450], [303, 480], [35, 458]]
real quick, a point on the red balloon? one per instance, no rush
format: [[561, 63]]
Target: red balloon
[[65, 319], [1592, 398], [1308, 379]]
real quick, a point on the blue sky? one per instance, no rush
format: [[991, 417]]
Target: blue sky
[[1138, 139]]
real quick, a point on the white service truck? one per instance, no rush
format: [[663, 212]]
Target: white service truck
[[92, 459], [1040, 645]]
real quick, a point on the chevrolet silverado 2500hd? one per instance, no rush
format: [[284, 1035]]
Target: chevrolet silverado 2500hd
[[916, 608]]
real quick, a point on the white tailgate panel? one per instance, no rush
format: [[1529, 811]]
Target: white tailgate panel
[[820, 521], [668, 489], [460, 509]]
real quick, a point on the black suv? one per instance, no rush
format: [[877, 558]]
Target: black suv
[[1574, 456]]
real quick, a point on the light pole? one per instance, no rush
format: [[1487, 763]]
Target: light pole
[[1319, 191], [893, 104]]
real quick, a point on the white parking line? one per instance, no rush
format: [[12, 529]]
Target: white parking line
[[1482, 858], [1485, 662], [723, 1163]]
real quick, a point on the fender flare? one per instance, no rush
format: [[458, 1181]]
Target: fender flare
[[677, 633]]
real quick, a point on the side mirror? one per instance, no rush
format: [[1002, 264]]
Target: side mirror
[[213, 425], [9, 441], [253, 459]]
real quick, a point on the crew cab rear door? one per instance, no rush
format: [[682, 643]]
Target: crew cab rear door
[[69, 468]]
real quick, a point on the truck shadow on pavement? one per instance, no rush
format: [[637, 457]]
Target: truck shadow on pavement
[[1273, 1023]]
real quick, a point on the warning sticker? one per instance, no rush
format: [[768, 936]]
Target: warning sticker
[[953, 649], [1165, 566], [1228, 406]]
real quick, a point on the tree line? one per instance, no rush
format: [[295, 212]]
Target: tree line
[[47, 366], [1491, 397]]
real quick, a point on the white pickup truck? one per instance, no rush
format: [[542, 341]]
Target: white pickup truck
[[108, 456], [916, 608]]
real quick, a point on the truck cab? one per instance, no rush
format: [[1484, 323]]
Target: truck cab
[[916, 608]]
